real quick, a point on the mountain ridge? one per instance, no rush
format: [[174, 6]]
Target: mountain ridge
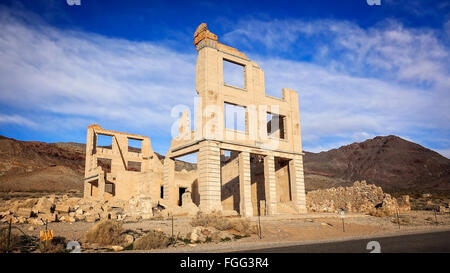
[[387, 161]]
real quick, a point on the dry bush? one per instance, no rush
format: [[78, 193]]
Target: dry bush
[[151, 240], [56, 245], [244, 227], [106, 232], [14, 242], [215, 220], [380, 212], [219, 222]]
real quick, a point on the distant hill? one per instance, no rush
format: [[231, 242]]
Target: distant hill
[[39, 166], [387, 161], [390, 162]]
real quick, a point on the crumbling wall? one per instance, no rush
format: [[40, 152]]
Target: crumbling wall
[[118, 171], [361, 197]]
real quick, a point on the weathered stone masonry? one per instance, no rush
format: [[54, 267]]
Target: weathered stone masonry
[[263, 173]]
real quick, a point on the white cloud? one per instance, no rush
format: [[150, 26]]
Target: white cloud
[[92, 77], [16, 119], [387, 79]]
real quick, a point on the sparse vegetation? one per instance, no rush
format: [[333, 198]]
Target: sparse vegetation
[[57, 245], [106, 232], [151, 240], [14, 241], [216, 220], [18, 242]]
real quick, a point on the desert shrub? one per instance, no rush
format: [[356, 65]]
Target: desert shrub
[[14, 242], [18, 242], [244, 227], [381, 212], [215, 220], [219, 222], [56, 245], [106, 232], [151, 240]]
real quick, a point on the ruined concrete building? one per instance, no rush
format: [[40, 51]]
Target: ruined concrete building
[[252, 168]]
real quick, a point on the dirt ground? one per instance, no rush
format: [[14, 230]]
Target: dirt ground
[[274, 229]]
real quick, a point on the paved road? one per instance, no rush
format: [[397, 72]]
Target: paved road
[[415, 243]]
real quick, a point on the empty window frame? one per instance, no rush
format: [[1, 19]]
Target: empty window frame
[[104, 141], [105, 164], [110, 188], [235, 117], [134, 145], [134, 166], [276, 125], [233, 74]]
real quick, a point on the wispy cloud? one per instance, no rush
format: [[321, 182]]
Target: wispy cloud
[[92, 77], [16, 119], [353, 82], [387, 79]]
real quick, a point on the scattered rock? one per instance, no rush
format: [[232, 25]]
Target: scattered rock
[[128, 239], [117, 248], [44, 205], [62, 208], [24, 212]]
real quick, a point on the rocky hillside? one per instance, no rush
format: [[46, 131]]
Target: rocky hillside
[[38, 166], [390, 162], [387, 161]]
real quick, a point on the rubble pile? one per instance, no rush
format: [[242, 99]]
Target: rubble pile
[[361, 197], [38, 211]]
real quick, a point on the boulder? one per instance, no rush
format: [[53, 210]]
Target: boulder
[[62, 208], [128, 239], [44, 205], [92, 218], [117, 248], [24, 212], [140, 205], [48, 217]]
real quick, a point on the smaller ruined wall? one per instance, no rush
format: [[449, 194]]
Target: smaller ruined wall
[[361, 197]]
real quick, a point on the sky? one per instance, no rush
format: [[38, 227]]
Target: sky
[[360, 70]]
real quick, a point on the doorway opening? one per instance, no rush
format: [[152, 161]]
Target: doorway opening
[[181, 190]]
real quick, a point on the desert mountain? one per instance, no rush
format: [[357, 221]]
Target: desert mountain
[[38, 166], [387, 161], [390, 162]]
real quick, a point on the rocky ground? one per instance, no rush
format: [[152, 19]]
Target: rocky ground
[[274, 230], [368, 211]]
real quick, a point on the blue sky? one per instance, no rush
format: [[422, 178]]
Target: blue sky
[[360, 70]]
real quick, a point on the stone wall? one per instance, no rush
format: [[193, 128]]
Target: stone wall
[[361, 197]]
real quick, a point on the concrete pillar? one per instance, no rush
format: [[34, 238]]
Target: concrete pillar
[[246, 208], [90, 145], [297, 183], [169, 181], [270, 187], [101, 186], [209, 183], [87, 190]]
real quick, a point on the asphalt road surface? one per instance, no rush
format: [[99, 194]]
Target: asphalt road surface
[[416, 243]]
